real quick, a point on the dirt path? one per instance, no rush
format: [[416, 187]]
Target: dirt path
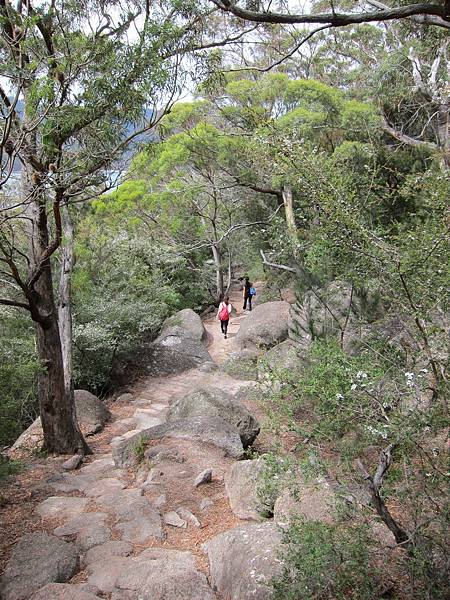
[[99, 503], [219, 347]]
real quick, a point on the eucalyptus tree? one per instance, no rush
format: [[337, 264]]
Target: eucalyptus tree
[[79, 81], [181, 189]]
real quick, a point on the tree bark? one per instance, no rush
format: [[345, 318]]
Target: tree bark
[[65, 304], [289, 212], [56, 403], [219, 270]]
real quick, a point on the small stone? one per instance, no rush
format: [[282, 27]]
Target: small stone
[[72, 463], [160, 500], [208, 367], [126, 398], [188, 516], [154, 475], [171, 518], [205, 503], [204, 477]]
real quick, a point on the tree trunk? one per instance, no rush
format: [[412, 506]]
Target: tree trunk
[[65, 306], [289, 213], [219, 270], [56, 403], [443, 133]]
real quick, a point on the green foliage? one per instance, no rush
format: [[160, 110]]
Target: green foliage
[[276, 474], [323, 562], [19, 368], [139, 449], [8, 468], [124, 287]]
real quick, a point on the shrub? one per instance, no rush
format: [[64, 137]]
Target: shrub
[[273, 478], [18, 372], [322, 562]]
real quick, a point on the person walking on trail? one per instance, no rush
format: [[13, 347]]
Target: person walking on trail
[[223, 314], [248, 293]]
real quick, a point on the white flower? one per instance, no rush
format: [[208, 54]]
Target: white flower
[[339, 397], [354, 386], [361, 375], [409, 376], [424, 370]]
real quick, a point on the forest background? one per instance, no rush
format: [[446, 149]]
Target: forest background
[[310, 153]]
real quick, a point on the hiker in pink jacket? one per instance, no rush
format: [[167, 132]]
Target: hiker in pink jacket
[[223, 314]]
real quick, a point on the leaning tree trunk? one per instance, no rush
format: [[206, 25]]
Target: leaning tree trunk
[[56, 403], [65, 305]]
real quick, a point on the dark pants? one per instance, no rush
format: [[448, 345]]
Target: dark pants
[[249, 300], [224, 326]]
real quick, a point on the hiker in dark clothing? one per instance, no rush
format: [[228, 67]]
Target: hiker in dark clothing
[[247, 295]]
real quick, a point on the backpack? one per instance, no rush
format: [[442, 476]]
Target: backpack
[[252, 291], [223, 314]]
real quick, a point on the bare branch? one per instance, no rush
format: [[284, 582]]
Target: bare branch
[[335, 19], [407, 139], [374, 484], [422, 19], [14, 303], [275, 265]]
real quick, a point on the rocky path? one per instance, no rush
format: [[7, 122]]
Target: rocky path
[[135, 533]]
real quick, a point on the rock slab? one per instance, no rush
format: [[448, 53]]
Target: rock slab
[[62, 591], [265, 326], [214, 402], [243, 561], [241, 484], [37, 559], [211, 430]]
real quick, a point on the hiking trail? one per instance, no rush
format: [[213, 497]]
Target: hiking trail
[[127, 523]]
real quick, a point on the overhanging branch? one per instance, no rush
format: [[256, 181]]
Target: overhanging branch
[[335, 19]]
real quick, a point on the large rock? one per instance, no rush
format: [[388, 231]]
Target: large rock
[[156, 574], [315, 501], [214, 402], [282, 357], [92, 415], [211, 430], [37, 559], [329, 311], [184, 322], [62, 591], [242, 364], [243, 561], [179, 346], [241, 483], [265, 326]]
